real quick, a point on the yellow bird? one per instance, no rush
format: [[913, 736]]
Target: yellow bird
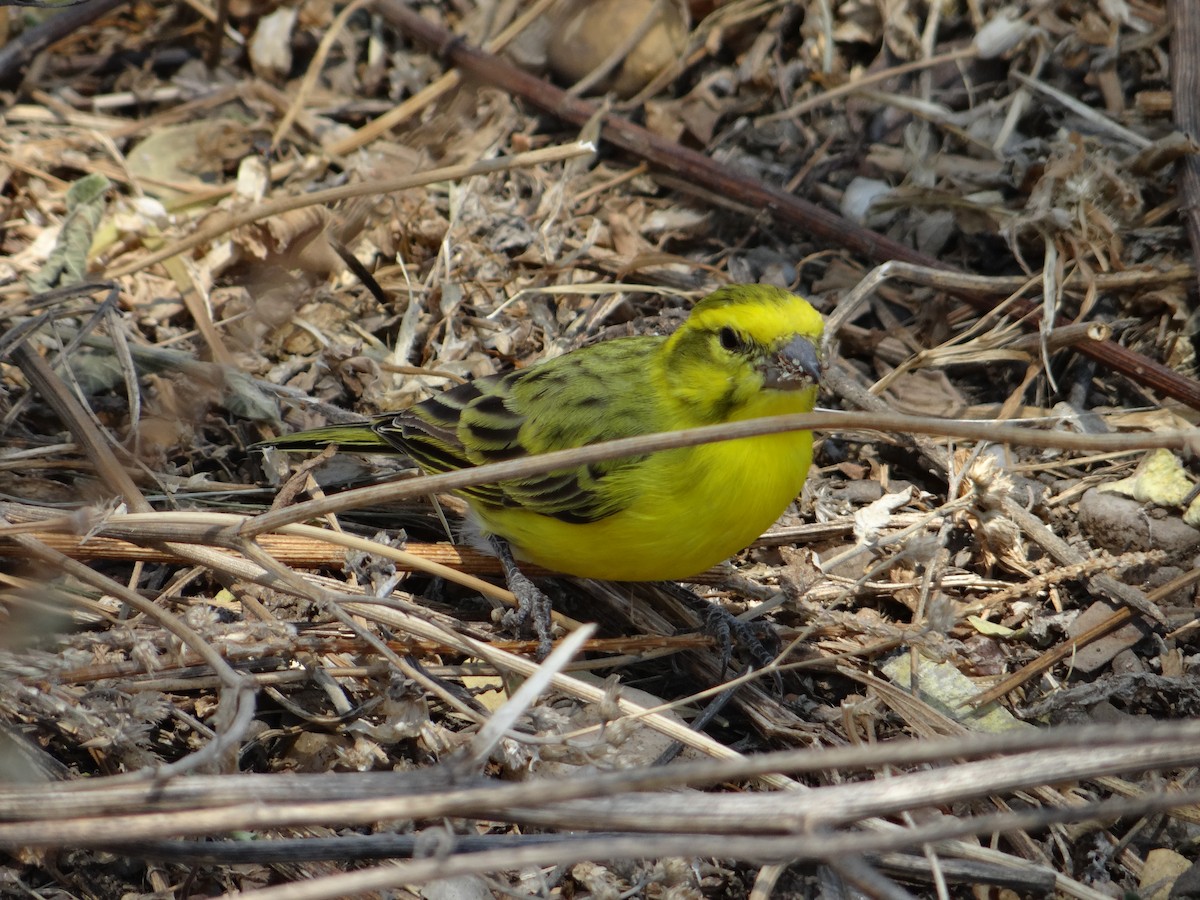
[[745, 351]]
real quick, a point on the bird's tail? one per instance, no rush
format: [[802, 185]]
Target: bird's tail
[[360, 438]]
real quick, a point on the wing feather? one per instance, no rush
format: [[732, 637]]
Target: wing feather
[[570, 401]]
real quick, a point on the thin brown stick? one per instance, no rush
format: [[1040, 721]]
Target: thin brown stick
[[1057, 654], [51, 802], [293, 550], [20, 51], [822, 421], [53, 822], [72, 414]]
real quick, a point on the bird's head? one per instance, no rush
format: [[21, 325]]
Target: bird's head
[[746, 350]]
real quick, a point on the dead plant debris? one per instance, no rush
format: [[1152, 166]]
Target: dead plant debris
[[223, 222]]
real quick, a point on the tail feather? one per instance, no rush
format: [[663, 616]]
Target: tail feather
[[352, 438]]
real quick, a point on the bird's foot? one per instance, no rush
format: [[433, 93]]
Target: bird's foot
[[533, 606], [757, 640]]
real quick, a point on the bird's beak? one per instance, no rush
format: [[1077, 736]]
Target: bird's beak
[[797, 365]]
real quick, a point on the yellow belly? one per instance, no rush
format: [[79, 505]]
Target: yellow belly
[[693, 508]]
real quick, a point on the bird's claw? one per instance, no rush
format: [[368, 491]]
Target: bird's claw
[[533, 606], [757, 639]]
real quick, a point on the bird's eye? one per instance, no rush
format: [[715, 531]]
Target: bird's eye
[[729, 339]]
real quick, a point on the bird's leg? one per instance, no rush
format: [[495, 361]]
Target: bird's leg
[[754, 637], [698, 724], [757, 639], [532, 604]]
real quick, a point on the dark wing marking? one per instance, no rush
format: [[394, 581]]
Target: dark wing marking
[[578, 399], [429, 433]]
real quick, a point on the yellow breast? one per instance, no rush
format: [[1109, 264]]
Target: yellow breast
[[694, 508]]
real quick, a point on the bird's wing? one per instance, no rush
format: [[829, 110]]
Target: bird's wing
[[429, 433], [581, 398]]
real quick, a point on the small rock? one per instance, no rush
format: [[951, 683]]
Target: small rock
[[1187, 885], [1102, 650], [1161, 869], [1119, 525]]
